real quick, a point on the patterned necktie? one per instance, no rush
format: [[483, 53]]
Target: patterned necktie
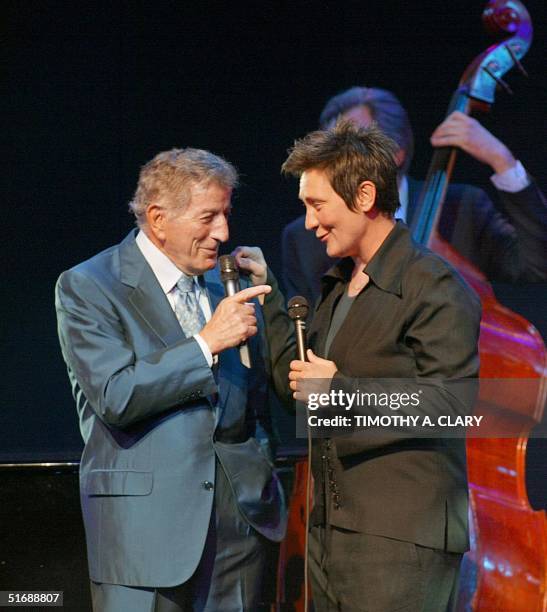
[[187, 309]]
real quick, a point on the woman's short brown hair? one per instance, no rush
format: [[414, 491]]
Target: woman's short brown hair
[[350, 155]]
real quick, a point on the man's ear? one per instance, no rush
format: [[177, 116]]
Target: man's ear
[[366, 196], [155, 219]]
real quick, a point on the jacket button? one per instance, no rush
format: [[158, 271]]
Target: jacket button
[[207, 485]]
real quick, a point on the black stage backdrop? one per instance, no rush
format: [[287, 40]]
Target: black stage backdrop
[[92, 90]]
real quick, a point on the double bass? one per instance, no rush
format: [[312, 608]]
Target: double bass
[[506, 567]]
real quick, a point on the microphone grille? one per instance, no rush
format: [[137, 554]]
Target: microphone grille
[[298, 307], [228, 267]]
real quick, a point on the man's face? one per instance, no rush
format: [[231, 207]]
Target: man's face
[[358, 115], [191, 237], [341, 229], [362, 117]]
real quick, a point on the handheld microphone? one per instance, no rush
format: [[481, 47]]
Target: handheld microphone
[[297, 309], [229, 275]]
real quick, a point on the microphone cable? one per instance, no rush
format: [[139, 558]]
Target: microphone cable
[[298, 309]]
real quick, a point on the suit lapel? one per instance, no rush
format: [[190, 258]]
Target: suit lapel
[[147, 296], [151, 302]]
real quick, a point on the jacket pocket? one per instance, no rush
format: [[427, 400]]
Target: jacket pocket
[[118, 482]]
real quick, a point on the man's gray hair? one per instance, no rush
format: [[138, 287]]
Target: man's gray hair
[[171, 175], [385, 109]]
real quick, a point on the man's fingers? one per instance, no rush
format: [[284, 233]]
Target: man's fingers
[[246, 256], [250, 292], [456, 118], [241, 251], [441, 139], [247, 251], [246, 263], [447, 139]]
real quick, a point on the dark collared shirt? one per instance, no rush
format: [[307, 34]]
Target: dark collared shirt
[[416, 318]]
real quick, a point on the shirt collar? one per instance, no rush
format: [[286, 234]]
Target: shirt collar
[[386, 267], [164, 269]]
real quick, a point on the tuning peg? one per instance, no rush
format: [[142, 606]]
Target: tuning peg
[[515, 59], [499, 81]]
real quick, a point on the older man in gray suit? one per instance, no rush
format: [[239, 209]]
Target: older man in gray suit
[[177, 491]]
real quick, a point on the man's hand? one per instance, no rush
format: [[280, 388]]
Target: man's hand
[[311, 376], [459, 130], [233, 321], [251, 260]]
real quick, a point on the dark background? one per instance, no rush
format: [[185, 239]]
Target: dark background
[[94, 90]]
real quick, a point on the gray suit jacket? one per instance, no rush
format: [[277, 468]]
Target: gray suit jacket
[[150, 425]]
